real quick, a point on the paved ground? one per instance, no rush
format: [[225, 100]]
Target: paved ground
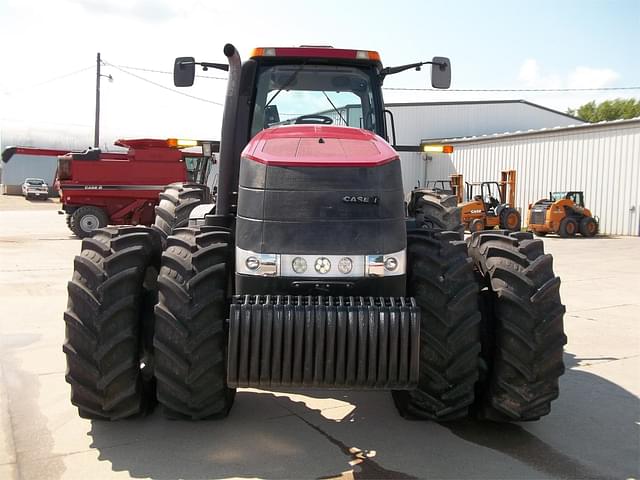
[[592, 431]]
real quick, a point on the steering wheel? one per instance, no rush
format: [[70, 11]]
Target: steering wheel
[[321, 119]]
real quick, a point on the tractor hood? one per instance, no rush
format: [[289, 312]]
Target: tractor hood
[[319, 146]]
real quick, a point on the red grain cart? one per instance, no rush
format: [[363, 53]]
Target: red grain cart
[[99, 188]]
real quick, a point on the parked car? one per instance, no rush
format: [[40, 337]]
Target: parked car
[[35, 188]]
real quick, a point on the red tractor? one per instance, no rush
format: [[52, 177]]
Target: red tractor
[[100, 188], [305, 272]]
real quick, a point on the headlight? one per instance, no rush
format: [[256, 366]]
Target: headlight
[[322, 265], [260, 264], [299, 265], [252, 263], [345, 265], [390, 264]]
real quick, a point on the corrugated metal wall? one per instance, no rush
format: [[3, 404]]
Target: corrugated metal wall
[[603, 161]]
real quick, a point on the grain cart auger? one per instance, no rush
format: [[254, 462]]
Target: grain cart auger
[[306, 273]]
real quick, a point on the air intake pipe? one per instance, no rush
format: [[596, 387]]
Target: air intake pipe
[[228, 169]]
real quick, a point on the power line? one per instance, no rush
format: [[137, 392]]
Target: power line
[[51, 80], [409, 89], [162, 86], [510, 89], [151, 70]]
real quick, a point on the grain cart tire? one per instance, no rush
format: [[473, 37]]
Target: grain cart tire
[[439, 211], [510, 219], [109, 321], [588, 227], [440, 277], [85, 220], [176, 203], [522, 326], [191, 331], [69, 221], [568, 227]]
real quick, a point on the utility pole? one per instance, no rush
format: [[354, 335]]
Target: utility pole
[[96, 132]]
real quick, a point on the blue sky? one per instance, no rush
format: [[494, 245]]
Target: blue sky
[[492, 44]]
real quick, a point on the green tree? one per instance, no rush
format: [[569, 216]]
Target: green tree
[[620, 108]]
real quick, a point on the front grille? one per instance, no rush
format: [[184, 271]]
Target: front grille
[[538, 217]]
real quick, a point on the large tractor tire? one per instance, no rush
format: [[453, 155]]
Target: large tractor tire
[[440, 277], [510, 219], [522, 326], [439, 211], [85, 220], [191, 332], [109, 322], [176, 203]]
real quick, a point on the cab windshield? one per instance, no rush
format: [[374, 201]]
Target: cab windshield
[[314, 94], [555, 196]]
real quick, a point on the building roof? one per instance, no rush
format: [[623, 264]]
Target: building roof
[[483, 102], [570, 128]]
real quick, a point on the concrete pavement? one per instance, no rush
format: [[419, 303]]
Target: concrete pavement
[[592, 431]]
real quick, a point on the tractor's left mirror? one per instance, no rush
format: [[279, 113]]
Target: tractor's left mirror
[[184, 71]]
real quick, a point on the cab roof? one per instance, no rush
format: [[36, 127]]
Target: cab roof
[[317, 52]]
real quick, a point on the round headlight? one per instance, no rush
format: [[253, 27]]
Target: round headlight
[[252, 263], [345, 265], [322, 265], [299, 265], [390, 264]]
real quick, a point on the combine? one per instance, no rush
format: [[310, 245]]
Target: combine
[[305, 271], [102, 188]]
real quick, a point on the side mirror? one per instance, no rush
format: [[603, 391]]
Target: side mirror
[[441, 72], [184, 71]]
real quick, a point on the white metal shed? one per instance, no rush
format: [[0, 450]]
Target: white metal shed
[[602, 159]]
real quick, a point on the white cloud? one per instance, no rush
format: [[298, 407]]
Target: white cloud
[[586, 77], [531, 76]]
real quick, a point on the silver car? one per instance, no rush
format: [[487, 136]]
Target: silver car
[[35, 188]]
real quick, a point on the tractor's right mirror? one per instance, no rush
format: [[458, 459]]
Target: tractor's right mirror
[[184, 71], [441, 72]]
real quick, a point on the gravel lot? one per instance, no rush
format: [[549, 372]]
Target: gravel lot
[[592, 431]]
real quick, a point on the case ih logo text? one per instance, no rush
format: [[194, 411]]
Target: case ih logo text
[[365, 199]]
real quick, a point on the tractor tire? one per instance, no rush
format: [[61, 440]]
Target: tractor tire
[[477, 225], [176, 203], [191, 332], [108, 321], [510, 219], [522, 326], [85, 220], [439, 211], [568, 227], [588, 227], [440, 277]]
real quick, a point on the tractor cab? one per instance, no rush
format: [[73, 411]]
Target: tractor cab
[[576, 197], [487, 194]]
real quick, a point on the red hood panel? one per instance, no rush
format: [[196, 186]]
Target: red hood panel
[[319, 146]]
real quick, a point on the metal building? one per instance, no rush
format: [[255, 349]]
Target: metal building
[[601, 159], [416, 121]]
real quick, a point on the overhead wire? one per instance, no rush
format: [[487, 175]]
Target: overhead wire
[[159, 85], [166, 72], [50, 80], [510, 89]]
